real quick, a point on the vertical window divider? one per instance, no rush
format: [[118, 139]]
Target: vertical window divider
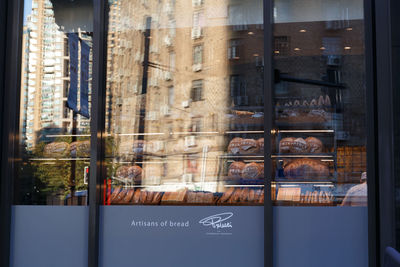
[[97, 127], [9, 96], [268, 87]]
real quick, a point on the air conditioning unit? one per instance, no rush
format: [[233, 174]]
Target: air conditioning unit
[[187, 178], [334, 60], [151, 115], [168, 76], [197, 3], [118, 101], [197, 67], [154, 49], [190, 141], [139, 57], [153, 82], [169, 9], [196, 32], [165, 110], [167, 40], [186, 104], [242, 100]]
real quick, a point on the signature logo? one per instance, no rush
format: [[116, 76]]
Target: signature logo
[[218, 221]]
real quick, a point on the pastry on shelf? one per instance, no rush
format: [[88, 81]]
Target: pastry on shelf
[[80, 149], [253, 170], [260, 142], [56, 149], [305, 168], [249, 146], [132, 173], [315, 145], [236, 169], [285, 145], [299, 145], [234, 146]]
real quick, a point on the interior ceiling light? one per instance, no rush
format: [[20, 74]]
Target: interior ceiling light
[[302, 30]]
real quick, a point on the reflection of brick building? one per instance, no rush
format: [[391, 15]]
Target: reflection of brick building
[[203, 60]]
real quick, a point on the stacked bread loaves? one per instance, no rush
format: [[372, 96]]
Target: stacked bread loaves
[[56, 149], [300, 145], [241, 146], [304, 111], [250, 171], [132, 173], [80, 149]]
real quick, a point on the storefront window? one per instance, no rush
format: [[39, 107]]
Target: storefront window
[[54, 127], [319, 158], [191, 131]]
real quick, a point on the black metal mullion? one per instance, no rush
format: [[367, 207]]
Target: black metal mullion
[[97, 127], [268, 113], [10, 91], [372, 134]]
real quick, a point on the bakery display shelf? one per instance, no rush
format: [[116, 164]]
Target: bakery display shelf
[[123, 180], [305, 180], [242, 156], [312, 131], [304, 125], [241, 204], [300, 204], [303, 155], [293, 183], [59, 159]]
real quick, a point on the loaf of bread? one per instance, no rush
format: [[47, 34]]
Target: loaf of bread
[[128, 197], [252, 196], [191, 198], [306, 168], [260, 142], [143, 197], [315, 145], [136, 197], [299, 145], [157, 198], [227, 195], [56, 149], [253, 171], [115, 193], [134, 173], [285, 145], [122, 172], [235, 196], [244, 196], [249, 146], [175, 197], [236, 169], [80, 149], [120, 196], [234, 145]]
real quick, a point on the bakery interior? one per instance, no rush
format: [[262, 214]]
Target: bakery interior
[[185, 111]]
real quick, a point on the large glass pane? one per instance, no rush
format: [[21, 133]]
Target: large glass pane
[[319, 133], [55, 102], [185, 103]]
